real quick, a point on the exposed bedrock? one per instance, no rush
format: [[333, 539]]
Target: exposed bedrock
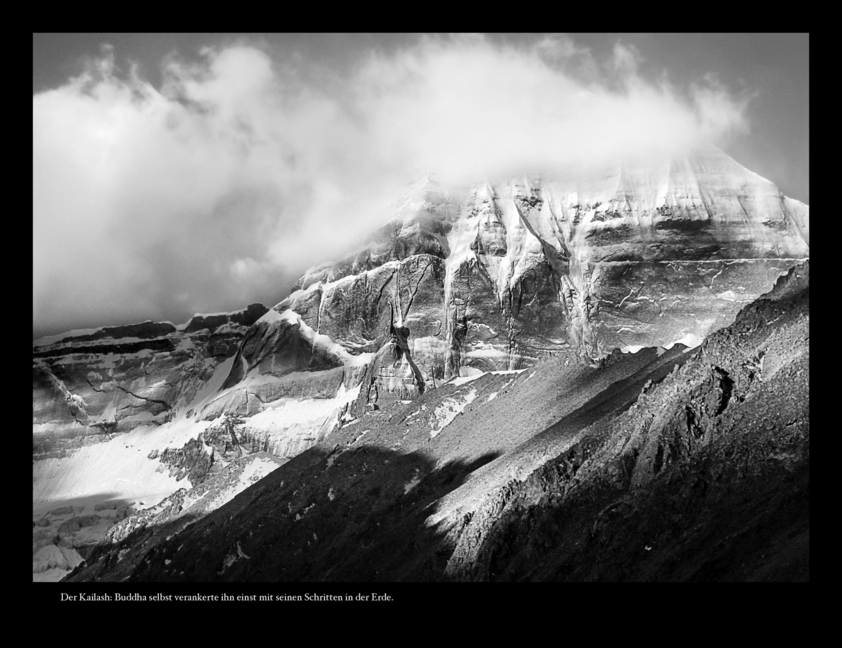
[[142, 530], [484, 277], [497, 275], [90, 385], [685, 465], [492, 276], [275, 347], [705, 477]]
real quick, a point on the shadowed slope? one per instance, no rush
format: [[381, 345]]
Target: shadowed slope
[[358, 506]]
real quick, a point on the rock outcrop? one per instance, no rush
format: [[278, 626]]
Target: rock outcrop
[[677, 465], [510, 276], [488, 277], [497, 275], [89, 385], [134, 535]]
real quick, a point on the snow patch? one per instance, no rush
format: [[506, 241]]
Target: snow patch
[[485, 352], [412, 483], [232, 557], [204, 395], [461, 380], [730, 295], [115, 469], [256, 470], [185, 344], [324, 342], [631, 348], [690, 340], [448, 410]]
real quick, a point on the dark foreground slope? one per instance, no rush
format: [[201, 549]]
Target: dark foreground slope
[[706, 477], [656, 466]]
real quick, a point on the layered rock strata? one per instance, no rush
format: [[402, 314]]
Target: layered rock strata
[[678, 465], [493, 276], [498, 275], [88, 385]]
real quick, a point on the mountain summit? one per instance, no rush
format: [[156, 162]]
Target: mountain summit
[[491, 276], [496, 275]]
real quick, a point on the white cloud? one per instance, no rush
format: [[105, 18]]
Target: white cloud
[[559, 47], [240, 170], [626, 59]]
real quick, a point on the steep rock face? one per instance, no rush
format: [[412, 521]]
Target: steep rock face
[[487, 277], [656, 466], [88, 385], [394, 460], [497, 275], [706, 477]]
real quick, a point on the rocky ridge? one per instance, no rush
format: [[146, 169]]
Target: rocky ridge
[[677, 465], [497, 276], [91, 384]]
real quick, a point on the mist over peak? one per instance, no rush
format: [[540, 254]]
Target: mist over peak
[[220, 184]]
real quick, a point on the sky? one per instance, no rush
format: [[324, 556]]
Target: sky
[[183, 173]]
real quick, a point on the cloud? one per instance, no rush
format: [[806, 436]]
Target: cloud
[[560, 48], [218, 187], [717, 113]]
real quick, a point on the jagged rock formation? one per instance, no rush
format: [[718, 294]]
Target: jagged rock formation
[[706, 477], [65, 537], [679, 465], [489, 277], [109, 412], [495, 276], [88, 385]]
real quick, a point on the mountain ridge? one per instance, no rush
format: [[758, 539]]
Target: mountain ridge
[[462, 287], [694, 466]]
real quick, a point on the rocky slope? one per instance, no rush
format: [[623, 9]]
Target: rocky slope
[[679, 465], [65, 537], [90, 384], [109, 430], [495, 276]]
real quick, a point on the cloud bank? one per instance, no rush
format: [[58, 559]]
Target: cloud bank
[[220, 186]]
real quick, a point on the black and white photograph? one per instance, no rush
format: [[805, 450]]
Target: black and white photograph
[[387, 308]]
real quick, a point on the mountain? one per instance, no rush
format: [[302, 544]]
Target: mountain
[[677, 465], [497, 275], [96, 382], [463, 283]]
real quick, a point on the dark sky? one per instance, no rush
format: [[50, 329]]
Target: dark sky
[[182, 173]]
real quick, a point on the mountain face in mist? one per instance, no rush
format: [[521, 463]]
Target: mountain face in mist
[[496, 276], [552, 272]]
